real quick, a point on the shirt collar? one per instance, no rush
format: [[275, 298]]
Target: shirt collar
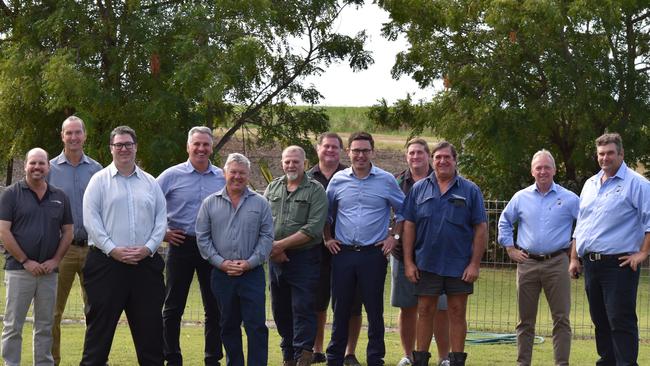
[[187, 167], [533, 188], [62, 159], [112, 169], [223, 192], [620, 173], [23, 185], [373, 171]]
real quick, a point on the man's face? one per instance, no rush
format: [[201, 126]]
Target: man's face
[[293, 164], [199, 149], [124, 152], [444, 163], [542, 170], [37, 166], [329, 151], [417, 157], [236, 177], [361, 154], [609, 159], [73, 136]]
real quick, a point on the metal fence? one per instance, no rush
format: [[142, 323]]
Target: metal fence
[[492, 307]]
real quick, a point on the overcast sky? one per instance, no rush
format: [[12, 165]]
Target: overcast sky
[[342, 87]]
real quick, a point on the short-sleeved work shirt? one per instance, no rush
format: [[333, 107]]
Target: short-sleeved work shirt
[[35, 224], [444, 223]]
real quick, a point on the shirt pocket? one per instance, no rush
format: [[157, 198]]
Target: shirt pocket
[[54, 210], [251, 221], [276, 205], [425, 208], [299, 211]]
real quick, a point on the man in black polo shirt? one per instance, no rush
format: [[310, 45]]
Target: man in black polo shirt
[[36, 230]]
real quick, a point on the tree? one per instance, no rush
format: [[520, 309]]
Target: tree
[[164, 66], [524, 75]]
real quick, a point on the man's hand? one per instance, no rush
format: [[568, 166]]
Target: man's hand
[[388, 244], [175, 236], [235, 267], [125, 255], [575, 268], [139, 253], [517, 256], [279, 258], [50, 265], [33, 267], [277, 249], [471, 273], [411, 271], [633, 260], [333, 245]]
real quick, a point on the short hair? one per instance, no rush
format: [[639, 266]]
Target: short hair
[[38, 149], [123, 130], [361, 135], [200, 129], [611, 138], [540, 153], [239, 159], [295, 148], [419, 141], [443, 145], [331, 135], [74, 119]]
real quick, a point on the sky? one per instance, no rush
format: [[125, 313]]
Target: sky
[[341, 86]]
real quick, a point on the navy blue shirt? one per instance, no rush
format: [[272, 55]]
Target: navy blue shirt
[[444, 223]]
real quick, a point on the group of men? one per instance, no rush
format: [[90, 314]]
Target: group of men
[[326, 231]]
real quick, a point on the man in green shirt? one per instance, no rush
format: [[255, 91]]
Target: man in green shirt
[[299, 207]]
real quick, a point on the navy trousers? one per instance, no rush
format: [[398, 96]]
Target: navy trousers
[[293, 284], [367, 270], [611, 292], [242, 299]]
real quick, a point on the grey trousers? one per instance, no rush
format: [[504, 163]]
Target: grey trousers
[[22, 288], [552, 276]]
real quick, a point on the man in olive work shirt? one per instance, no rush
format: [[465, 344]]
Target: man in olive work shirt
[[36, 230], [299, 207]]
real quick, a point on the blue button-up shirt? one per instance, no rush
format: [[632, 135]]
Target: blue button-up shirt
[[444, 224], [73, 181], [614, 216], [544, 220], [185, 188], [362, 206]]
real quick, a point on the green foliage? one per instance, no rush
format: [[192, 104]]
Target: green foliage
[[524, 75], [162, 67]]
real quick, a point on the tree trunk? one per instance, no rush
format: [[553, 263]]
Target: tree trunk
[[10, 172]]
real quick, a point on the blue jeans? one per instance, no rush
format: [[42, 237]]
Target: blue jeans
[[292, 299], [242, 299], [611, 291]]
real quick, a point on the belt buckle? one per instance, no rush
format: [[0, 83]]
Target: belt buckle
[[356, 247], [594, 257]]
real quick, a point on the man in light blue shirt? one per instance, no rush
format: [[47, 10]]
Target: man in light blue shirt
[[612, 237], [360, 199], [544, 214], [234, 232], [185, 186], [125, 216]]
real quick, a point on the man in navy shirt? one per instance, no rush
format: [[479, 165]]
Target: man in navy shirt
[[445, 228]]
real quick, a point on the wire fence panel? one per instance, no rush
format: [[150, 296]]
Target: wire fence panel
[[492, 307]]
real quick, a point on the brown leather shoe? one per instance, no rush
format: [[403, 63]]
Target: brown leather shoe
[[305, 358]]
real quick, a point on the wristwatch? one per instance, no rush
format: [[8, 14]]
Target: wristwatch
[[396, 236]]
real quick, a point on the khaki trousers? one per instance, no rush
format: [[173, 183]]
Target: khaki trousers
[[552, 276]]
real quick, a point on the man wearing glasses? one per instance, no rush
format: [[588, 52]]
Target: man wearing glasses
[[360, 199], [125, 216]]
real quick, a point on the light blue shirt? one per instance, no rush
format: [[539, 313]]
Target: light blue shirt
[[544, 221], [124, 211], [362, 206], [73, 181], [227, 233], [185, 188], [614, 216]]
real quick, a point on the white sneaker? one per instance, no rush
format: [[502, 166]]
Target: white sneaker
[[444, 363], [405, 362]]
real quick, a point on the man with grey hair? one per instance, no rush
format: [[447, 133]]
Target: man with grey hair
[[71, 171], [299, 207], [544, 214], [234, 232], [36, 230], [185, 186]]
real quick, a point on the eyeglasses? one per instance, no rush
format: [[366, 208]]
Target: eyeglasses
[[360, 151], [119, 145]]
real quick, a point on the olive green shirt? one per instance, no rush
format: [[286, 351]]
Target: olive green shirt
[[304, 209]]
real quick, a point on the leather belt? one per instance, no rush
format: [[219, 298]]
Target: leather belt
[[542, 257], [80, 242], [594, 257], [357, 247]]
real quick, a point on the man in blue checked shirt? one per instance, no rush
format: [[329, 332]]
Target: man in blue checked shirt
[[363, 196], [544, 213], [612, 237]]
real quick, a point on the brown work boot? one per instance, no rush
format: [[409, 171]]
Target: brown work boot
[[305, 358], [288, 363]]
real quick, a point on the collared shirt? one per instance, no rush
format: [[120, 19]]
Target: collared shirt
[[405, 180], [73, 181], [544, 220], [361, 207], [185, 188], [444, 223], [35, 224], [614, 216], [303, 210], [124, 211], [227, 233]]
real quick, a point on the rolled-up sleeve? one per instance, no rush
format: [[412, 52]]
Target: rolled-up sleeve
[[396, 198], [313, 228]]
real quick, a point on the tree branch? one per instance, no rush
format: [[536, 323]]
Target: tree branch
[[5, 9], [641, 17]]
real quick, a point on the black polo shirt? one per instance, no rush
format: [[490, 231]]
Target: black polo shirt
[[35, 224]]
